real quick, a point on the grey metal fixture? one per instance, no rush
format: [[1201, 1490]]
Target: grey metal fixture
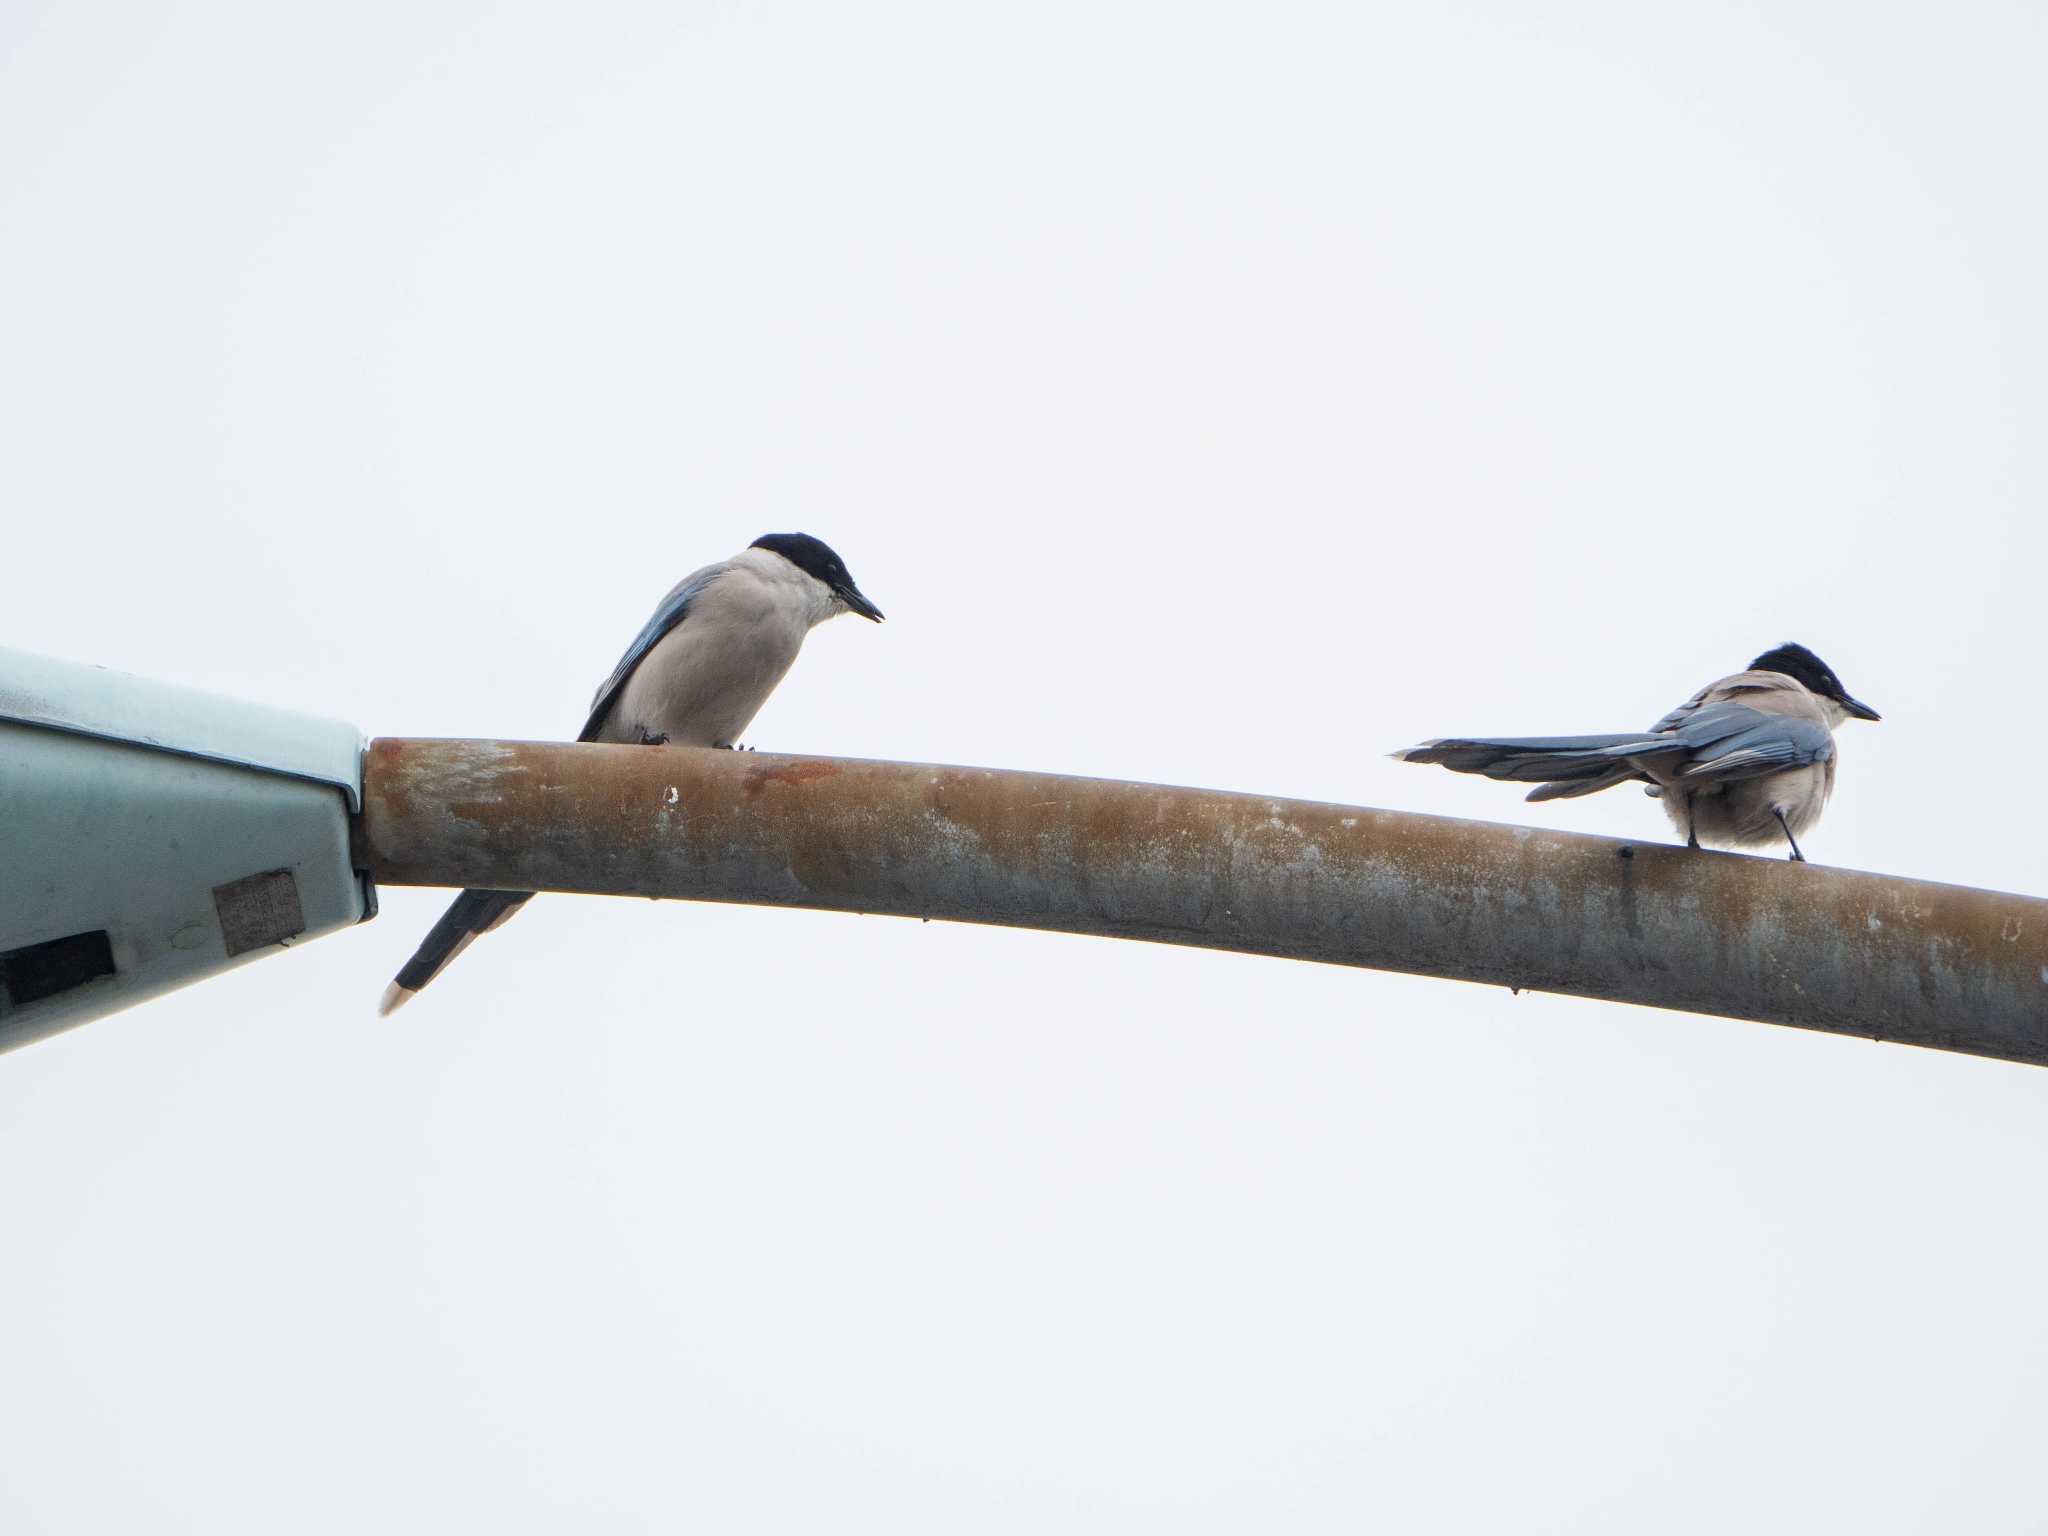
[[151, 836]]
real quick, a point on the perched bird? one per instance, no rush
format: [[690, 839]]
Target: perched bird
[[1745, 761], [694, 677]]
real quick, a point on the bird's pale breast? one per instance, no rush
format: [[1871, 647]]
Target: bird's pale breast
[[707, 678]]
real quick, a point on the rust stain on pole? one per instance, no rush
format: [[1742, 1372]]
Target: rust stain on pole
[[1764, 939]]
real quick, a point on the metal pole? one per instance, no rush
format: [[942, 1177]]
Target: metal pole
[[1749, 938]]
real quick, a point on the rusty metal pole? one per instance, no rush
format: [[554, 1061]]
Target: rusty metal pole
[[1748, 938]]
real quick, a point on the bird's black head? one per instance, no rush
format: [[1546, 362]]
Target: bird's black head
[[815, 558], [1803, 667]]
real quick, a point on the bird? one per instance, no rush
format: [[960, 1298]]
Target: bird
[[1746, 761], [695, 676]]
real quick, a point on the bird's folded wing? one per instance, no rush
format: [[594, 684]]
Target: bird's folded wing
[[1694, 725], [1680, 715], [673, 610], [1770, 745]]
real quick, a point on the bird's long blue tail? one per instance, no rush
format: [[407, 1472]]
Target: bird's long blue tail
[[1560, 766]]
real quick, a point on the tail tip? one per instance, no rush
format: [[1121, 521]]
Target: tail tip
[[395, 997]]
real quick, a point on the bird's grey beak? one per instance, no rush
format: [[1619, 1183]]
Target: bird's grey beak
[[850, 595], [1860, 710]]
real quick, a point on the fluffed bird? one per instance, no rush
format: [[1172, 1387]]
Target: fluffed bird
[[695, 676], [1747, 760]]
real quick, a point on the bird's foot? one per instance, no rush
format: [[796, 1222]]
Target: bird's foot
[[660, 740], [733, 746], [1786, 827]]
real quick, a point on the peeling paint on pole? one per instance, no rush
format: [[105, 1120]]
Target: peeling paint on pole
[[1749, 938]]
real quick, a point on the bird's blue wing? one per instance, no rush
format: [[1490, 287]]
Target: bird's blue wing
[[1773, 743], [1680, 715], [1701, 726], [1692, 729], [674, 609]]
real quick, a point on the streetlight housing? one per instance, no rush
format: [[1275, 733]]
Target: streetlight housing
[[152, 836]]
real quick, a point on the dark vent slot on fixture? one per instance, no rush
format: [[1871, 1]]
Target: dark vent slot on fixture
[[36, 971]]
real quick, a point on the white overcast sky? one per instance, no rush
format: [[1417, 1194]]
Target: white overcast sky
[[1215, 395]]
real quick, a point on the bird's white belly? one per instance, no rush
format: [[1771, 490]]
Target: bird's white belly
[[705, 680], [1745, 814]]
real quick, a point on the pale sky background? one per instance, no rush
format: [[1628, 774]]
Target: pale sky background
[[1216, 395]]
